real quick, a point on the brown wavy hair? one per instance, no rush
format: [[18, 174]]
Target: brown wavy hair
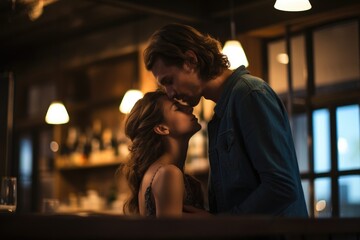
[[171, 42], [146, 146]]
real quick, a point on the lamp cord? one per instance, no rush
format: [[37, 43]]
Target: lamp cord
[[9, 132], [232, 22]]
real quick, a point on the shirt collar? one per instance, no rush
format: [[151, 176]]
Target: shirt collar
[[228, 86]]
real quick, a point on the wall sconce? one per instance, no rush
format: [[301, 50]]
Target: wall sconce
[[232, 48], [57, 114], [33, 8], [129, 100], [292, 5], [36, 9]]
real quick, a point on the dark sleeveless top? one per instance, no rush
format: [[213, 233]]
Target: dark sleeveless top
[[193, 194]]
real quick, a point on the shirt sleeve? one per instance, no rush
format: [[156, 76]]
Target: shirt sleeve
[[265, 128]]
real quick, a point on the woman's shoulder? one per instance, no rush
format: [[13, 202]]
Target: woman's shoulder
[[168, 176], [169, 171]]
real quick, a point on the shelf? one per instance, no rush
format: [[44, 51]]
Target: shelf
[[90, 104], [21, 123], [116, 162]]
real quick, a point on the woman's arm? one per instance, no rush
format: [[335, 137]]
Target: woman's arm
[[168, 190]]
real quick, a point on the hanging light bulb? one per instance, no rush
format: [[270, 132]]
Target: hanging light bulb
[[292, 5], [129, 100], [57, 114], [232, 48], [235, 53]]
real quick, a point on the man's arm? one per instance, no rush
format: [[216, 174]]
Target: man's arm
[[267, 136]]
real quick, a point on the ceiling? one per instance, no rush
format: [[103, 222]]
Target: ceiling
[[63, 20]]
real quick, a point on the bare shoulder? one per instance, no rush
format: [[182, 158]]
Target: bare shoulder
[[168, 176], [169, 172], [168, 191]]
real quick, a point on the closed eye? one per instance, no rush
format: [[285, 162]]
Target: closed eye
[[166, 81], [175, 106], [180, 107]]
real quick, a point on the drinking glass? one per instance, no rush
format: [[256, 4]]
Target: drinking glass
[[8, 194]]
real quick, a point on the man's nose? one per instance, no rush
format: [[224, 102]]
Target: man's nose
[[170, 92]]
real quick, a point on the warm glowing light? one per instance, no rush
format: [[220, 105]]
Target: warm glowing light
[[57, 114], [54, 146], [235, 53], [342, 145], [129, 100], [320, 205], [282, 58], [292, 5], [36, 10]]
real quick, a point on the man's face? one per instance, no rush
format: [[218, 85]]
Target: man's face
[[180, 83]]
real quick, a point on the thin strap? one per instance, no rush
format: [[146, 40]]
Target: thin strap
[[154, 175], [149, 201]]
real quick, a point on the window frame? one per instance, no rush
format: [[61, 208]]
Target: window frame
[[311, 101]]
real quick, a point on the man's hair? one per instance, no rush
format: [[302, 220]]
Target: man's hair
[[171, 42]]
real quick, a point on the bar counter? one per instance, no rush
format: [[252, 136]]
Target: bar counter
[[97, 226]]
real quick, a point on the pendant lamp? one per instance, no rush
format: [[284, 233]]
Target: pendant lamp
[[232, 48], [292, 5], [129, 100], [57, 114], [235, 53]]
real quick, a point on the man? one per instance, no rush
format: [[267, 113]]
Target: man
[[251, 152]]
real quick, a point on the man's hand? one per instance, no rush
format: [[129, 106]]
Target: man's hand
[[191, 211]]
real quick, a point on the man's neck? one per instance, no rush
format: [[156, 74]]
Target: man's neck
[[212, 89]]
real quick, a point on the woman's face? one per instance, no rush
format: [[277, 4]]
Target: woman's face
[[179, 118]]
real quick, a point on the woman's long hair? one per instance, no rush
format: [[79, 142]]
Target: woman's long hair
[[146, 146]]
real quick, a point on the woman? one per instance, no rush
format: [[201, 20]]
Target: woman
[[160, 129]]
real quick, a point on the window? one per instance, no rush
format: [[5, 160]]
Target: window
[[278, 59], [346, 121], [306, 188], [321, 136], [26, 161], [326, 127], [300, 141], [348, 143], [349, 196], [336, 56], [25, 172], [323, 203]]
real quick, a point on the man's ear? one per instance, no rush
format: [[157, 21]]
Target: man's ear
[[161, 129], [191, 60]]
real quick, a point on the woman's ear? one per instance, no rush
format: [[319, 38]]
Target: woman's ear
[[161, 129]]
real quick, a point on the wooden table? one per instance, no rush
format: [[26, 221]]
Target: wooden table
[[95, 226]]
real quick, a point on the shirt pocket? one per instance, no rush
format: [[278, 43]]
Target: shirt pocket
[[225, 141], [225, 150], [229, 159]]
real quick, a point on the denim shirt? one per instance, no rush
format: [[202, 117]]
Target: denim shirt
[[253, 165]]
